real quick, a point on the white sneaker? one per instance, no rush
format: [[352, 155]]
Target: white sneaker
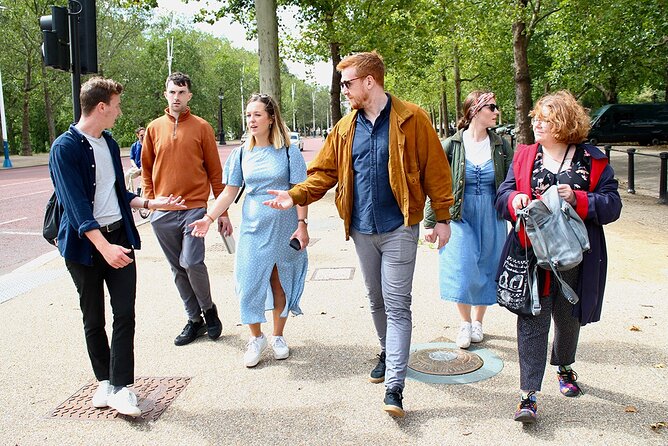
[[101, 394], [125, 402], [464, 335], [254, 350], [280, 347], [476, 332]]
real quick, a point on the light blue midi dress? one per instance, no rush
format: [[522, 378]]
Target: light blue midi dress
[[264, 233], [468, 262]]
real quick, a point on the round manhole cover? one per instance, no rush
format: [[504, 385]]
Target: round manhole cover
[[444, 361]]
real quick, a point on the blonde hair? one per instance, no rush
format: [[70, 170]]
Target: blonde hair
[[279, 136], [569, 120], [365, 64]]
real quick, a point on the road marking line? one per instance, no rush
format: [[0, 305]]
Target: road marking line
[[26, 195], [19, 233], [12, 221], [26, 182]]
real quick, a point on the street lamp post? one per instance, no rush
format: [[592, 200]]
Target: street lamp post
[[3, 128], [221, 128]]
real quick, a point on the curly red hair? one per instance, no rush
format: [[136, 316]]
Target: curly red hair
[[570, 122]]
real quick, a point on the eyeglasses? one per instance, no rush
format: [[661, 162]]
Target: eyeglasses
[[542, 121], [492, 107], [259, 96], [346, 84]]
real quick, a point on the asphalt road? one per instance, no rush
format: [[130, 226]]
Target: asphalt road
[[24, 192]]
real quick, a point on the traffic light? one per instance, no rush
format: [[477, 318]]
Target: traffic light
[[56, 31], [88, 37], [56, 48]]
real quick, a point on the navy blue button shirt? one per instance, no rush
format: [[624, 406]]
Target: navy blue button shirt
[[72, 169], [375, 210]]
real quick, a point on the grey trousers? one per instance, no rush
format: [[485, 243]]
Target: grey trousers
[[185, 255], [532, 335], [387, 262]]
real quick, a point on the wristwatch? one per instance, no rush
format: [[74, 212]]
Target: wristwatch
[[447, 222], [304, 220]]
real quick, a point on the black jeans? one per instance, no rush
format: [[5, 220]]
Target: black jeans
[[115, 363]]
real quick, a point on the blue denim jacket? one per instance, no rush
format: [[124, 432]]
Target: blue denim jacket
[[72, 169]]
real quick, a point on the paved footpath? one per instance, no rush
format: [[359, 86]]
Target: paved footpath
[[320, 395]]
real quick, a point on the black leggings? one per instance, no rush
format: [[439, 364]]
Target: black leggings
[[532, 333]]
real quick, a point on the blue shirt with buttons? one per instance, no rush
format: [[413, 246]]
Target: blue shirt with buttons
[[375, 210], [72, 169]]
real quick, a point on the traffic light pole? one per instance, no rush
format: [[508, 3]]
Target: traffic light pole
[[75, 57]]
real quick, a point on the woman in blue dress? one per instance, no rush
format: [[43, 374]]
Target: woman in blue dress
[[479, 160], [269, 273]]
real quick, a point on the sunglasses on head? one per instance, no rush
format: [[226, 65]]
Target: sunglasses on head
[[492, 107]]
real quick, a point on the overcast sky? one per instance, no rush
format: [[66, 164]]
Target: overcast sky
[[235, 33]]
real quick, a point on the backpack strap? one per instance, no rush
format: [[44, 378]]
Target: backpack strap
[[243, 184]]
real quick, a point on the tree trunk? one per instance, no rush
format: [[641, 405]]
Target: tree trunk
[[522, 82], [445, 123], [665, 93], [267, 37], [26, 147], [335, 90], [609, 91], [458, 85], [48, 107]]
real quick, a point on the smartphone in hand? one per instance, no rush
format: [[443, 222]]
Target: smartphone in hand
[[294, 244]]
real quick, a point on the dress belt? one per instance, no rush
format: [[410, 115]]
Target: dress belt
[[112, 226]]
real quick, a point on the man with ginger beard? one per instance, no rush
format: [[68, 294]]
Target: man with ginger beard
[[385, 157]]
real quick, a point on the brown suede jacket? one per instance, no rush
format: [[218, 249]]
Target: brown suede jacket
[[417, 166]]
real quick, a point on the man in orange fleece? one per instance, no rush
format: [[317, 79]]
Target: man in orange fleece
[[180, 156]]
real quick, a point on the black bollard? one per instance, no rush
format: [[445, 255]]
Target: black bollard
[[608, 149], [663, 178], [632, 185]]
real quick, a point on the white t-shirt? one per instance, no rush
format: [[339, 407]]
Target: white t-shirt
[[477, 152], [105, 205]]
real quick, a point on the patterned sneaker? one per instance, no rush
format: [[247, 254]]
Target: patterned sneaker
[[526, 409], [567, 383]]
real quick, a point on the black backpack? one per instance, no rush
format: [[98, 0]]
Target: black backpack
[[52, 216]]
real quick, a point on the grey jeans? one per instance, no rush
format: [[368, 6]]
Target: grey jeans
[[387, 262], [185, 255]]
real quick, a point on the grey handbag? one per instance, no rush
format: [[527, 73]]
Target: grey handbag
[[558, 235]]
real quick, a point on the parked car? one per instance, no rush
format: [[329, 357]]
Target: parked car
[[296, 140], [641, 123], [504, 129]]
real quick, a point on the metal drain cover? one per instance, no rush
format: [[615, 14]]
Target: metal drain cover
[[154, 395], [444, 361]]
